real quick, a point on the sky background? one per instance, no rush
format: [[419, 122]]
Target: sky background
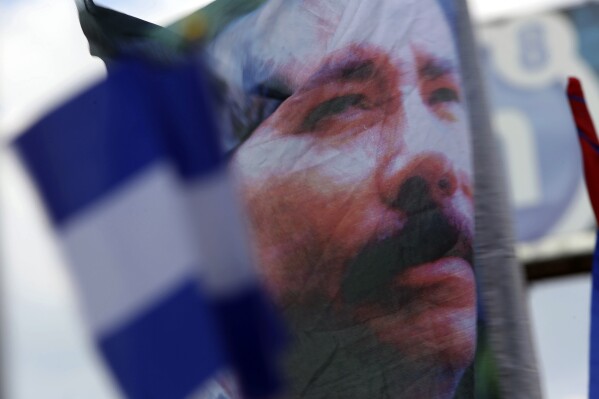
[[44, 58]]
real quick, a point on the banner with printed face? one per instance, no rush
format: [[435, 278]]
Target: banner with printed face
[[349, 130], [350, 138]]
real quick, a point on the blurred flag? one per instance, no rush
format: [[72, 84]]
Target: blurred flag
[[589, 145], [133, 179]]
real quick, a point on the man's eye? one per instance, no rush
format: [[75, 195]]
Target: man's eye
[[268, 97], [275, 92], [334, 106], [443, 95]]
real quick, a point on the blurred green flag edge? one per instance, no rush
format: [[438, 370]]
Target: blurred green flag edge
[[111, 33], [500, 276]]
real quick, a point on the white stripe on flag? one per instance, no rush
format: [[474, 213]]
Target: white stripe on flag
[[131, 248], [222, 235]]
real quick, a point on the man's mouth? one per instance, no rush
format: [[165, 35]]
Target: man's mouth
[[434, 247]]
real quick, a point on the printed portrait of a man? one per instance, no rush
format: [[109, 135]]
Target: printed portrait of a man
[[354, 165]]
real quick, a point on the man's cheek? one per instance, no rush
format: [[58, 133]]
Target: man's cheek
[[304, 228], [286, 245], [288, 213]]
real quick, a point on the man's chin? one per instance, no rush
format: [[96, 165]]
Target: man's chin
[[436, 320], [440, 336]]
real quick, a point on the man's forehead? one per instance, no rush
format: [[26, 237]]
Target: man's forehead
[[290, 38]]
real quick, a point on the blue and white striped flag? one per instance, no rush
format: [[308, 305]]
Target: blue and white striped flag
[[134, 181]]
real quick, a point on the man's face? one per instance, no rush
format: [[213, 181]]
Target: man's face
[[358, 186]]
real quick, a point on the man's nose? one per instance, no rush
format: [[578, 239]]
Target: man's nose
[[423, 184]]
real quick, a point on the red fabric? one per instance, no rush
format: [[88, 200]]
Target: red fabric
[[587, 137]]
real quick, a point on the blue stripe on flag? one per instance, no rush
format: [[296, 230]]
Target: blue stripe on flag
[[577, 98], [192, 137], [169, 351], [584, 136], [254, 337], [76, 157], [95, 142]]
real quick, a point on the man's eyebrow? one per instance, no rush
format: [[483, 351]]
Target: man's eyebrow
[[343, 71], [435, 69], [356, 71]]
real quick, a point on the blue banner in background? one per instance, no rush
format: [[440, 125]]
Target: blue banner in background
[[526, 62]]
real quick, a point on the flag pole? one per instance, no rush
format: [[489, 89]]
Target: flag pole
[[501, 277]]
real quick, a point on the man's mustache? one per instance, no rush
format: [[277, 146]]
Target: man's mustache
[[427, 236]]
